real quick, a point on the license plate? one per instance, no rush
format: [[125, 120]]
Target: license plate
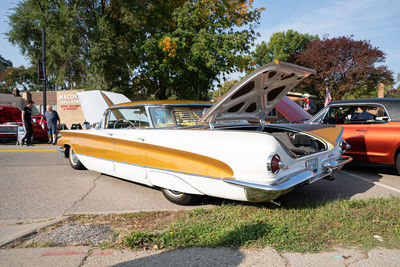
[[312, 165]]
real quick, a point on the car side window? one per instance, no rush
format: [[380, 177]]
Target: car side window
[[337, 115], [369, 114], [127, 118], [137, 117], [355, 114]]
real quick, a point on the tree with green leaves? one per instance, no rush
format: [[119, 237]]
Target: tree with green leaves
[[222, 89], [140, 48], [25, 79], [206, 38], [348, 68], [81, 37], [282, 46]]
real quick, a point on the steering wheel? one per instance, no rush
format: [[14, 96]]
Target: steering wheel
[[121, 120]]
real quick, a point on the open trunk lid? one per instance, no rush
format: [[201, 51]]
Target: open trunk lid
[[258, 93]]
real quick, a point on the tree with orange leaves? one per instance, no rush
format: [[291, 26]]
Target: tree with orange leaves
[[206, 38]]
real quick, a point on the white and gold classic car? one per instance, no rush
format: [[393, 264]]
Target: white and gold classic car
[[225, 150]]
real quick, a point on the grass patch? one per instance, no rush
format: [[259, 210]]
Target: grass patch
[[306, 227], [300, 227]]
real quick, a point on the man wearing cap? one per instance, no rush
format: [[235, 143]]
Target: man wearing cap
[[27, 122]]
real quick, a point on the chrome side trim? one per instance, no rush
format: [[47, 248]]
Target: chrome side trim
[[339, 136], [153, 168]]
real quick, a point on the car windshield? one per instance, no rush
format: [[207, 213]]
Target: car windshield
[[176, 116]]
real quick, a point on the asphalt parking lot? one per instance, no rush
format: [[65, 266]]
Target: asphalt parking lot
[[37, 186]]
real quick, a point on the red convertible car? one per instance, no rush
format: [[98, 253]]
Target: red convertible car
[[10, 119], [371, 127]]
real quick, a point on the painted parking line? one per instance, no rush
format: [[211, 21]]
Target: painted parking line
[[372, 182], [63, 253], [30, 150]]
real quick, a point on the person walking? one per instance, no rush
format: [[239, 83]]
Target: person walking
[[27, 122], [51, 117]]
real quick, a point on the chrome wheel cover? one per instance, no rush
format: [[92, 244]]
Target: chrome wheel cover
[[74, 157]]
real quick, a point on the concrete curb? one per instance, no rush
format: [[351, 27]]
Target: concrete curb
[[12, 232], [194, 256]]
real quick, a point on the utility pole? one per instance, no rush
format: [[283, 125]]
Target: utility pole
[[43, 62]]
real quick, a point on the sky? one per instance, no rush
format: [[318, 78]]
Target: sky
[[375, 20]]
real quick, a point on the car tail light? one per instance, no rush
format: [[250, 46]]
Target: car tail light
[[274, 164], [344, 146]]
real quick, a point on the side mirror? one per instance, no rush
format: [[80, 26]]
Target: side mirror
[[86, 125]]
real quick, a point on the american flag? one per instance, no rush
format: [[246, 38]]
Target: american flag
[[328, 97]]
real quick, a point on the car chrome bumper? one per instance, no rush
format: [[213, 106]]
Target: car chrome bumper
[[262, 193]]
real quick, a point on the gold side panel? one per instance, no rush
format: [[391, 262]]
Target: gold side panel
[[146, 155], [182, 161], [130, 152], [328, 134], [89, 144], [170, 159]]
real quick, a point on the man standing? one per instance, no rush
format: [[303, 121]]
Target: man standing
[[52, 118], [27, 121]]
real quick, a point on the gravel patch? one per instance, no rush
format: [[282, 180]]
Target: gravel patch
[[75, 234]]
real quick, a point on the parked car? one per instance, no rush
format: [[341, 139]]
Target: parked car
[[224, 150], [10, 118], [371, 127]]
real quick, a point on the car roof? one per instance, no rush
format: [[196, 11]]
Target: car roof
[[368, 101], [163, 102], [392, 105]]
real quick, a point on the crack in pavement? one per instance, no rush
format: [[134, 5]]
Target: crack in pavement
[[287, 262], [88, 254], [85, 195]]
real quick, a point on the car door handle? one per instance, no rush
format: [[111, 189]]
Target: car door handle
[[110, 134], [140, 139], [361, 130]]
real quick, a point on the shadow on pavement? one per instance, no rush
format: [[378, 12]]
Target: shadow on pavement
[[371, 169], [190, 257], [343, 187]]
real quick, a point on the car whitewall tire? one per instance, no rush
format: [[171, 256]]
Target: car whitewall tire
[[74, 160], [179, 197]]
